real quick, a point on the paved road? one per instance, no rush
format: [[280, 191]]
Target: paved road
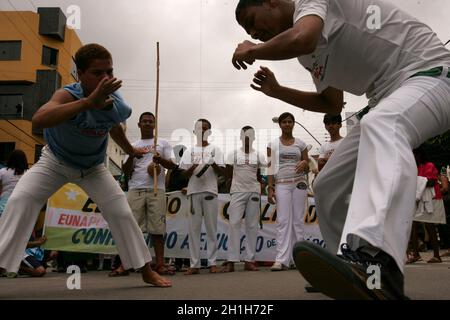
[[422, 281]]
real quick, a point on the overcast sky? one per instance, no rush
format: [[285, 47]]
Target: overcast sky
[[197, 39]]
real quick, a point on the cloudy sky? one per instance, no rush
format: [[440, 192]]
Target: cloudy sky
[[197, 39]]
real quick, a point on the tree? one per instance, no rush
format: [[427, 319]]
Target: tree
[[438, 150]]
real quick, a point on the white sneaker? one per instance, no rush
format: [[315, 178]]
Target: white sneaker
[[277, 266]]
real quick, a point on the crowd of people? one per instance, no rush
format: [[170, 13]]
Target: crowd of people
[[286, 165], [366, 190]]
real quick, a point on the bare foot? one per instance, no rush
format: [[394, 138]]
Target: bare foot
[[250, 266], [152, 277], [213, 269], [435, 260], [228, 267], [192, 271]]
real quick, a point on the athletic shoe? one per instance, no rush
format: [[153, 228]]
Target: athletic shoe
[[277, 266], [351, 275]]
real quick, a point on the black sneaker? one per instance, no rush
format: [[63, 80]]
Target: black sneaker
[[310, 289], [347, 276]]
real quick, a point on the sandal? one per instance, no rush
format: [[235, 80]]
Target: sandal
[[250, 266], [119, 272], [435, 260], [213, 269], [165, 271], [192, 271], [446, 254], [412, 259], [227, 267]]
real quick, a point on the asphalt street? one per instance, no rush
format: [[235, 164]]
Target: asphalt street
[[422, 282]]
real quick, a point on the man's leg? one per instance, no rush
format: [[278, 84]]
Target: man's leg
[[382, 203], [24, 205], [100, 185], [195, 224], [137, 200], [158, 246], [431, 229], [333, 187], [235, 212], [32, 267], [252, 215], [156, 226], [210, 209], [414, 254]]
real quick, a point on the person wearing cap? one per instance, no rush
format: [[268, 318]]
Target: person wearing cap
[[333, 123]]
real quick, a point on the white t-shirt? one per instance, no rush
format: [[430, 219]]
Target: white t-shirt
[[328, 148], [8, 180], [140, 179], [285, 158], [355, 56], [203, 156], [245, 167]]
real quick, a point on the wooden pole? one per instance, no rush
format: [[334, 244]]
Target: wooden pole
[[155, 174]]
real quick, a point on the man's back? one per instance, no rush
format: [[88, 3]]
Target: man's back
[[368, 46]]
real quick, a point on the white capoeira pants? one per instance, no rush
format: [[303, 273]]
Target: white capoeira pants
[[366, 191], [248, 203], [45, 178], [203, 205], [291, 206]]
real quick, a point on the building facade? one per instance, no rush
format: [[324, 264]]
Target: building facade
[[36, 59]]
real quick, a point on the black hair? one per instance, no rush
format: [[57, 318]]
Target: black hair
[[88, 53], [244, 4], [247, 128], [146, 114], [204, 120], [285, 115], [332, 118], [18, 161]]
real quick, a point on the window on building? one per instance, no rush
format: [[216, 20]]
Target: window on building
[[5, 150], [37, 152], [10, 50], [73, 70], [49, 56], [11, 106]]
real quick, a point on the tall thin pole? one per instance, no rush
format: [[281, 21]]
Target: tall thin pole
[[155, 174], [308, 132]]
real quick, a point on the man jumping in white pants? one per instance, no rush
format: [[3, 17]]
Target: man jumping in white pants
[[244, 165], [365, 194]]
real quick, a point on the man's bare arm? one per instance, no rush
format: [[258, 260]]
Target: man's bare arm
[[330, 101], [63, 106], [299, 40]]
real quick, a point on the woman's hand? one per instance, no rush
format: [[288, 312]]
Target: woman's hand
[[301, 166]]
